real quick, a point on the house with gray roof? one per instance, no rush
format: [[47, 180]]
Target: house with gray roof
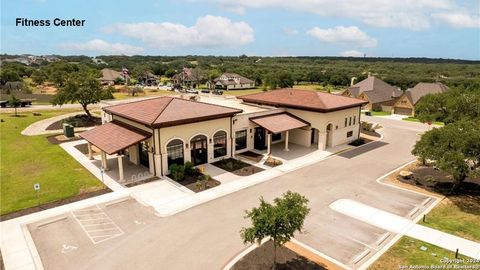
[[380, 95], [406, 103], [231, 81]]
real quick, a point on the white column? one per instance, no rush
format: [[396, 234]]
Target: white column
[[286, 141], [120, 168], [269, 142], [104, 161], [90, 153]]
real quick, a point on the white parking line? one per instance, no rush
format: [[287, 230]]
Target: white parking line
[[111, 230]]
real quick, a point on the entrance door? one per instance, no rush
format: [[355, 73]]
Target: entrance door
[[199, 151], [143, 152], [259, 142]]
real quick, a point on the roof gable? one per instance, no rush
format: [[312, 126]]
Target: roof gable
[[303, 99], [422, 89], [164, 111], [379, 90]]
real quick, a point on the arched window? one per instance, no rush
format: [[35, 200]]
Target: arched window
[[175, 152], [220, 144]]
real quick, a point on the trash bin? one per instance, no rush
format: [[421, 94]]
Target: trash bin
[[368, 113], [68, 130]]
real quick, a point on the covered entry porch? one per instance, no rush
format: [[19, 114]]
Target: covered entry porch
[[125, 152], [279, 128]]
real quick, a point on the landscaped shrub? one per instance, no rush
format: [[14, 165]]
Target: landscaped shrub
[[367, 126], [190, 168], [177, 172]]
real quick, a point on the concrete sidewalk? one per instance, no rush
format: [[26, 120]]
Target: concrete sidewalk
[[18, 249], [404, 226], [40, 127]]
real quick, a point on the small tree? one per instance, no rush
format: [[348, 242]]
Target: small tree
[[14, 102], [278, 221]]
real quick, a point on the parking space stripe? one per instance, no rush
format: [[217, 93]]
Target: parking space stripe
[[106, 227]]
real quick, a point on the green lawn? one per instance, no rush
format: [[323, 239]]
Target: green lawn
[[408, 251], [148, 93], [26, 160], [414, 119], [381, 113], [456, 215]]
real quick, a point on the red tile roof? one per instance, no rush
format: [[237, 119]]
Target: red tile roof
[[281, 122], [303, 99], [113, 137], [170, 111]]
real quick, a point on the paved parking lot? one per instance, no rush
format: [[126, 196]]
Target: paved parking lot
[[207, 236]]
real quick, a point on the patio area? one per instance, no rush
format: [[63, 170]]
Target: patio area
[[132, 173]]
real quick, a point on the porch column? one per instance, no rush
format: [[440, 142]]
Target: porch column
[[90, 153], [269, 142], [104, 161], [120, 168], [286, 141]]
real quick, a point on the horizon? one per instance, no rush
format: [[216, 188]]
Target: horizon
[[445, 29]]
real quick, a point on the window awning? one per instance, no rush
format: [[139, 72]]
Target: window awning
[[113, 137], [281, 122]]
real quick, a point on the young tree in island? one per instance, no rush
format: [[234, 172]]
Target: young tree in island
[[278, 221], [14, 102], [454, 148], [81, 87]]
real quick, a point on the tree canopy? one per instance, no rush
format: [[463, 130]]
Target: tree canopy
[[278, 221], [455, 148], [81, 87]]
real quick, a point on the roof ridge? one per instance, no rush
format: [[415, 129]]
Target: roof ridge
[[160, 113]]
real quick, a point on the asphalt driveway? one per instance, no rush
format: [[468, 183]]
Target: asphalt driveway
[[207, 236]]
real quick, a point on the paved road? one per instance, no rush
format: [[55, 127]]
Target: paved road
[[207, 236]]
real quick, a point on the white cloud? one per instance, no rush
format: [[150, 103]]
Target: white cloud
[[351, 35], [458, 20], [351, 53], [208, 32], [101, 46], [289, 31], [410, 14]]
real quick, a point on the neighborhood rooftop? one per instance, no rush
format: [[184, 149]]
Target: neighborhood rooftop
[[169, 111], [303, 99], [421, 89], [376, 90]]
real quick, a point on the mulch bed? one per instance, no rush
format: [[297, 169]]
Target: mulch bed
[[190, 182], [80, 120], [370, 133], [58, 139], [261, 258], [432, 179], [272, 162], [148, 180], [55, 204], [251, 156], [237, 167]]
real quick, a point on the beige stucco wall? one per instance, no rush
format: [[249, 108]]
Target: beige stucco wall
[[337, 119], [131, 123], [300, 136], [187, 132], [242, 121]]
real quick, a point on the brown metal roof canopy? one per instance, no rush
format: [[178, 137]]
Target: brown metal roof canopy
[[281, 122], [113, 137]]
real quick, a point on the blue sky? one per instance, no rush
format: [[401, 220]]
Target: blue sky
[[386, 28]]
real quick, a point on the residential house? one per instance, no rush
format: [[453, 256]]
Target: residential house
[[406, 103], [188, 77], [149, 79], [160, 132], [231, 81], [109, 76], [380, 95]]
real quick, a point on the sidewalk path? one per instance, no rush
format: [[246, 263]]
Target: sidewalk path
[[404, 226], [40, 127]]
